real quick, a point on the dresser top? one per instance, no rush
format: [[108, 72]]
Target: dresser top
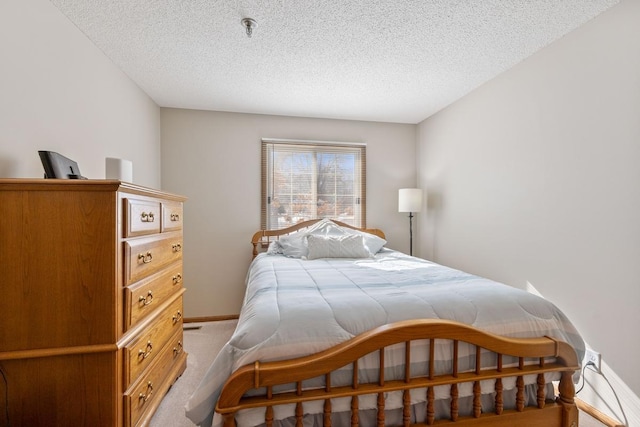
[[40, 184]]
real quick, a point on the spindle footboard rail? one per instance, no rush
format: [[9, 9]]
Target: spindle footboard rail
[[534, 357]]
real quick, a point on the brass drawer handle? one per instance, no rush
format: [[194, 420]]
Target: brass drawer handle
[[146, 300], [143, 354], [176, 247], [177, 279], [147, 217], [177, 349], [145, 396], [175, 217], [146, 258], [177, 317]]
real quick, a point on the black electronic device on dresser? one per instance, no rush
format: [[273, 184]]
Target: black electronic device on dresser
[[58, 166]]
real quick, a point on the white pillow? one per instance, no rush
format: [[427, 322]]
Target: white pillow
[[294, 245], [344, 246], [326, 227], [371, 241], [274, 248]]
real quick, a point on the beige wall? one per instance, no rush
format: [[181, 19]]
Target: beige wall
[[59, 92], [214, 159], [535, 178]]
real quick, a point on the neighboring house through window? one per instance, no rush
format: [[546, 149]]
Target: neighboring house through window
[[304, 180]]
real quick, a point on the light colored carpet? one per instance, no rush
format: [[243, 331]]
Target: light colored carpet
[[202, 345]]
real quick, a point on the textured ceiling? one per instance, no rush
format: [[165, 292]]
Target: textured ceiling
[[383, 60]]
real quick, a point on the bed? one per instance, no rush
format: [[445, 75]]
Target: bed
[[334, 334]]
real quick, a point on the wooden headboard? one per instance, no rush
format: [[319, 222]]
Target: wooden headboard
[[263, 238]]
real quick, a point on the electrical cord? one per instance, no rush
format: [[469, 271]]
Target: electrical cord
[[592, 368], [582, 378]]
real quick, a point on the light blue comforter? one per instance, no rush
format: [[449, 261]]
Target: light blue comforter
[[295, 307]]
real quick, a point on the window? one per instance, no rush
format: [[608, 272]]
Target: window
[[304, 180]]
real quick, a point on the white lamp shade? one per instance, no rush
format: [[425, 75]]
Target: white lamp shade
[[409, 200]]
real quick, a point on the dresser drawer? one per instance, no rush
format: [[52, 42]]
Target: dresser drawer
[[141, 352], [144, 257], [142, 217], [143, 297], [176, 345], [171, 216], [152, 386]]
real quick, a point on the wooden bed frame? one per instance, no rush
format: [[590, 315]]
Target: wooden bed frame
[[533, 356], [262, 239]]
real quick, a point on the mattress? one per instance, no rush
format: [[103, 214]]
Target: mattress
[[295, 307]]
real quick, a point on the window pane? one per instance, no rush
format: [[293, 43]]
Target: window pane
[[306, 181]]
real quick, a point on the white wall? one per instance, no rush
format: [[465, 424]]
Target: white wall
[[59, 92], [535, 178], [214, 159]]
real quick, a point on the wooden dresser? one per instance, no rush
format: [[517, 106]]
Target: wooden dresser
[[91, 307]]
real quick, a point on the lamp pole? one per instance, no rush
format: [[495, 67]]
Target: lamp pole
[[411, 233]]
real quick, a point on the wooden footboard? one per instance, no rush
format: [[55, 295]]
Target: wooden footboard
[[548, 412]]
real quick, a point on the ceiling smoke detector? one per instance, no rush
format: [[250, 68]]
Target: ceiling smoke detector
[[249, 24]]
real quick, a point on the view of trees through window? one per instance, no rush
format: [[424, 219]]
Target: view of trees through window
[[307, 181]]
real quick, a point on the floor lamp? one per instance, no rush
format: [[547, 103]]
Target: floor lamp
[[410, 200]]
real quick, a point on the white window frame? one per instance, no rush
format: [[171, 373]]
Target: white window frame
[[271, 147]]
